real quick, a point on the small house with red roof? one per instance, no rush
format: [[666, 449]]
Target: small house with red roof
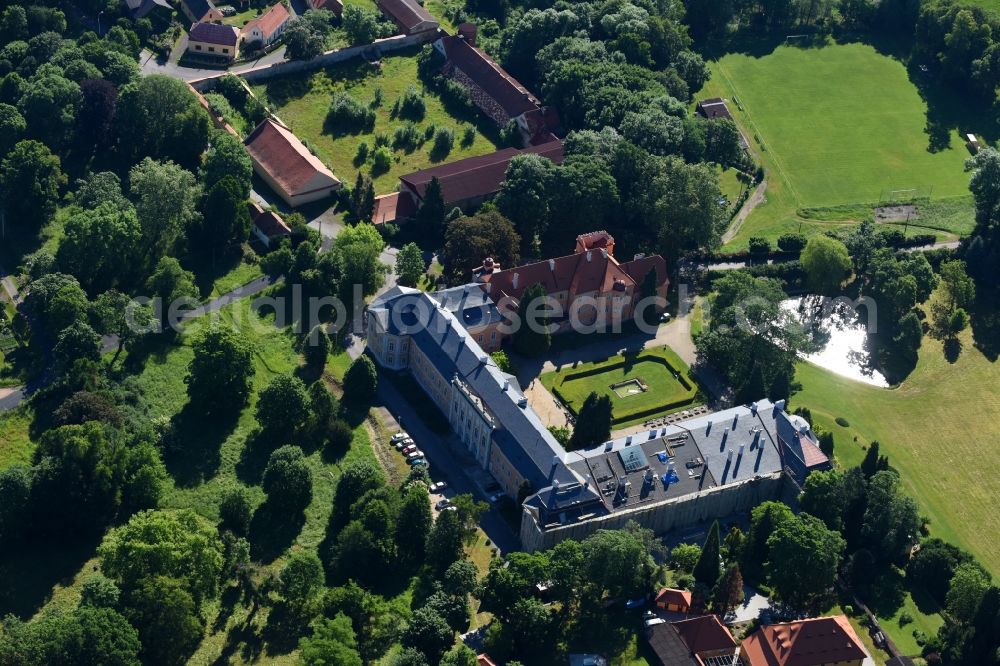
[[335, 6], [267, 28], [287, 166], [677, 601], [267, 225], [820, 641]]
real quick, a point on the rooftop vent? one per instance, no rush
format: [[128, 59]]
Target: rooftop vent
[[506, 384], [517, 278], [753, 408], [588, 256], [552, 264], [780, 405], [483, 360], [639, 256]]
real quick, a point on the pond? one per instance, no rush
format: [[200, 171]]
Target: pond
[[841, 337]]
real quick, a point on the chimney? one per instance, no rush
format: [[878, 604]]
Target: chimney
[[756, 438], [742, 446], [506, 384], [517, 278], [628, 440], [780, 405], [604, 252], [729, 458], [588, 256], [552, 264], [753, 408]]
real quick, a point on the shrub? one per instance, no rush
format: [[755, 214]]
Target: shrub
[[381, 160], [444, 139], [405, 137], [381, 139], [759, 245], [842, 422], [377, 98], [347, 113], [468, 135], [905, 619], [791, 242], [339, 435], [411, 104], [429, 132]]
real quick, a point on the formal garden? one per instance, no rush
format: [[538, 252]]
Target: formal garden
[[651, 383], [376, 118]]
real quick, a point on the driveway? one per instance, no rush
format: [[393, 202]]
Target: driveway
[[150, 64]]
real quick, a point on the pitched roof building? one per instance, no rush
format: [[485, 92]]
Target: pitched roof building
[[821, 641], [678, 601], [267, 27], [267, 225], [285, 164], [408, 15], [493, 90], [707, 637], [200, 11], [667, 647], [335, 6], [141, 8], [590, 282], [214, 40], [470, 181]]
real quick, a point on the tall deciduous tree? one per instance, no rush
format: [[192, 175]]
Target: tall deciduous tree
[[160, 117], [803, 559], [165, 197], [225, 218], [30, 180], [361, 380], [283, 407], [100, 245], [470, 240], [219, 375], [826, 263], [332, 642], [287, 480], [227, 157], [524, 197], [409, 264]]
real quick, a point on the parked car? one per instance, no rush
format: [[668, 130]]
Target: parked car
[[399, 437], [409, 447], [496, 498], [415, 453], [443, 504], [635, 603], [438, 486], [654, 621], [403, 443], [416, 461]]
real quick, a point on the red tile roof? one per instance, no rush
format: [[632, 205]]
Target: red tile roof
[[214, 33], [595, 239], [705, 634], [392, 207], [812, 455], [284, 157], [484, 660], [488, 75], [821, 640], [669, 595], [638, 268], [475, 177], [335, 6], [271, 224], [407, 14], [269, 21]]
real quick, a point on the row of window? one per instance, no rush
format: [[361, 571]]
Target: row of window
[[211, 49]]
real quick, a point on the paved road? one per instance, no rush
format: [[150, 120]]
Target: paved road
[[150, 64]]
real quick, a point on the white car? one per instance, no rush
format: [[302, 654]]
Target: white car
[[398, 437], [414, 454], [403, 443], [438, 486]]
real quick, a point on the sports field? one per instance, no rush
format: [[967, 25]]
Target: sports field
[[665, 377], [936, 429], [843, 123]]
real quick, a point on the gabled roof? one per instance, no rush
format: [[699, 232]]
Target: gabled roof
[[667, 646], [199, 8], [705, 634], [279, 152], [503, 88], [214, 33], [407, 14], [669, 595], [269, 21], [821, 640], [392, 207], [595, 240], [141, 8], [271, 224], [475, 177], [638, 268]]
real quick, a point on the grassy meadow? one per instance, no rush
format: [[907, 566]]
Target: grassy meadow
[[302, 102], [835, 126], [935, 427]]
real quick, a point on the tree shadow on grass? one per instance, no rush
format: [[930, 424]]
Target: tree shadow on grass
[[207, 269], [985, 321], [253, 458], [192, 452], [29, 572], [886, 593], [952, 349], [272, 531]]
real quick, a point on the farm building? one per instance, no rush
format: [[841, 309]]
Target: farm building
[[287, 166], [200, 11], [267, 27], [213, 40], [408, 15]]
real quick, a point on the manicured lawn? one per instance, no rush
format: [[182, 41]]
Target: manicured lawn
[[240, 19], [937, 429], [661, 370], [836, 125], [302, 103]]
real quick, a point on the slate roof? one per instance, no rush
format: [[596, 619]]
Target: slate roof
[[269, 21], [821, 640], [470, 304], [714, 108], [705, 634], [284, 157], [214, 33], [667, 646], [439, 335], [475, 177], [407, 14], [503, 88]]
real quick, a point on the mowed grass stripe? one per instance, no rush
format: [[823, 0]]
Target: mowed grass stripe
[[843, 123]]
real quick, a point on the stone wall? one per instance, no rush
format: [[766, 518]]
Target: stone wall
[[371, 51]]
